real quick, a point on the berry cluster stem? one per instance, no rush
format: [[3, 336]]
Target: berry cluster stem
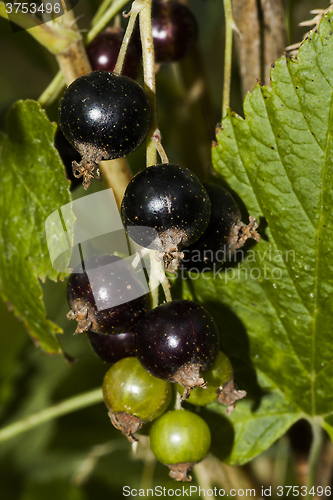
[[229, 26], [127, 37], [148, 56], [157, 277]]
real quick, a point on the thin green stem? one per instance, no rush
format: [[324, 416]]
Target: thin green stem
[[316, 447], [52, 91], [148, 57], [229, 25], [100, 11], [127, 37], [160, 148], [154, 279], [68, 406], [166, 289], [102, 21]]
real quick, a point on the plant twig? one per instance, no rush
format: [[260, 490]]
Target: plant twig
[[68, 406], [73, 60], [229, 26], [245, 13], [274, 35]]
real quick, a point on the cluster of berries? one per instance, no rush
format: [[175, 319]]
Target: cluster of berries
[[175, 344], [167, 210]]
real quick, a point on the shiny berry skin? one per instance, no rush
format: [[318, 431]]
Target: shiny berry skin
[[110, 286], [174, 30], [180, 439], [129, 390], [103, 52], [112, 348], [169, 199], [104, 116], [211, 248], [177, 341], [220, 385], [223, 235], [67, 154]]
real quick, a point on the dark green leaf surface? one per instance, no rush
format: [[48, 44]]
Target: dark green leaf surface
[[279, 161], [32, 186]]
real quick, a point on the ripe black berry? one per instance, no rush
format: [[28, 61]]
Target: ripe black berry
[[176, 342], [180, 439], [223, 235], [101, 297], [103, 116], [104, 49], [174, 30], [112, 348], [172, 201], [133, 396]]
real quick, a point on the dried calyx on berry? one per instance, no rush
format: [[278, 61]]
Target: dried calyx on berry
[[165, 207], [133, 396], [220, 386], [177, 341], [224, 234], [180, 439], [106, 296], [104, 116]]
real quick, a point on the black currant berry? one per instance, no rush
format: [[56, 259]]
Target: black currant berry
[[174, 30], [112, 348], [177, 341], [68, 154], [103, 301], [103, 116], [224, 234], [180, 439], [104, 49], [133, 396], [171, 201], [220, 386]]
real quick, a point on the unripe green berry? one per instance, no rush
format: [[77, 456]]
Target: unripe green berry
[[130, 391], [179, 439]]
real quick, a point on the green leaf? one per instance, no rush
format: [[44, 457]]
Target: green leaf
[[279, 161], [33, 185]]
